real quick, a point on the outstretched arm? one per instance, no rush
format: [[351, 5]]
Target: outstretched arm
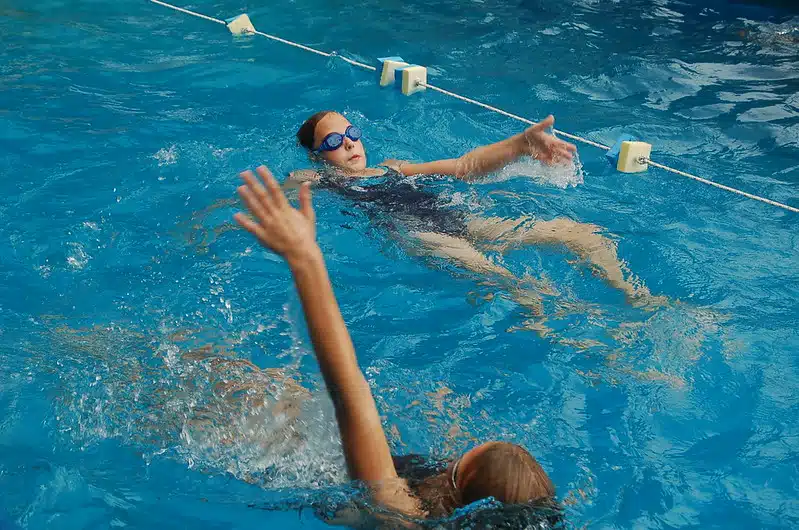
[[291, 233], [535, 142]]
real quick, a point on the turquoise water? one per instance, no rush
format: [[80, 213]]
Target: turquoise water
[[125, 297]]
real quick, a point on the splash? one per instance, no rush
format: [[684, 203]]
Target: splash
[[174, 396], [775, 38], [166, 156], [77, 257], [561, 176]]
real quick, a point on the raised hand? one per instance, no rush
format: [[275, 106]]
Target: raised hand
[[546, 147], [277, 225]]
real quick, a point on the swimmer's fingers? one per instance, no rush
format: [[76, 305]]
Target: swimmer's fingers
[[563, 148], [257, 193], [563, 153], [557, 151], [557, 154], [547, 147], [263, 217], [277, 195], [254, 206], [566, 146], [249, 225], [544, 124], [306, 204]]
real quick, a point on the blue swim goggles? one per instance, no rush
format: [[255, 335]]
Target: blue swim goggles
[[335, 140]]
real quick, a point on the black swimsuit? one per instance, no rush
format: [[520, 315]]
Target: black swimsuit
[[415, 468], [392, 198]]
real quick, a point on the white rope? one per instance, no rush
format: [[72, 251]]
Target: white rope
[[296, 45], [492, 109], [475, 102], [514, 116], [268, 36], [606, 148], [192, 13], [581, 139], [356, 63], [721, 186]]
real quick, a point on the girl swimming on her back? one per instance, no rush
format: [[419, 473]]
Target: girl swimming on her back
[[390, 199], [504, 471]]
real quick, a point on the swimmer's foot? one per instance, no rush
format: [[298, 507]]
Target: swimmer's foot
[[476, 299], [530, 300], [536, 324], [529, 292], [641, 298]]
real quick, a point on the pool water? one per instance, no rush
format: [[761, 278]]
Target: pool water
[[128, 305]]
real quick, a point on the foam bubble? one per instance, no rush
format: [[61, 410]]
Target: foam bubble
[[166, 156], [77, 258], [560, 175], [196, 403]]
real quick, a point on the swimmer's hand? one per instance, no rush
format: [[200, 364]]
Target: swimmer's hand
[[287, 231], [546, 147]]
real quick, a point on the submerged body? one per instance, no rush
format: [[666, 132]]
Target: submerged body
[[439, 230], [390, 201]]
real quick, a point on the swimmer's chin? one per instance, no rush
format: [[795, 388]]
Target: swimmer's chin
[[356, 163]]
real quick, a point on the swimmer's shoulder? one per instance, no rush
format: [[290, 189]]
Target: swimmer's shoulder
[[387, 505], [394, 165], [298, 177]]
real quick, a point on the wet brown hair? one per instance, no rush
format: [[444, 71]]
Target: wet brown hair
[[305, 134], [508, 473], [503, 470]]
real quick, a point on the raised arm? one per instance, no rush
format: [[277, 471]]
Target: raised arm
[[291, 233], [535, 141]]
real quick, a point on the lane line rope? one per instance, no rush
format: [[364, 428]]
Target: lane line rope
[[193, 13], [300, 46], [721, 186], [471, 101], [514, 116]]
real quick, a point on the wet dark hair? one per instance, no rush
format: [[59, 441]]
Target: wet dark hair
[[305, 134]]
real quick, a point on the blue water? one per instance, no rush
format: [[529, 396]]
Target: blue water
[[122, 289]]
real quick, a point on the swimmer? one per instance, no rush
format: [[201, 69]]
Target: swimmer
[[504, 471], [335, 143]]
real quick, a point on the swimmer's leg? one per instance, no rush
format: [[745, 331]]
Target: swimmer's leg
[[583, 239], [463, 253]]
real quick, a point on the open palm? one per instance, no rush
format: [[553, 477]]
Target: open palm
[[546, 147], [274, 222]]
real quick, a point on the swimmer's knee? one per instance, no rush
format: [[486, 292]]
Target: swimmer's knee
[[496, 228]]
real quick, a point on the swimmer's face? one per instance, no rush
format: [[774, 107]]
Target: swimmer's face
[[351, 155]]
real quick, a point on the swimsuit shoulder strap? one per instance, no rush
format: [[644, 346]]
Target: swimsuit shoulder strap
[[391, 172], [417, 467]]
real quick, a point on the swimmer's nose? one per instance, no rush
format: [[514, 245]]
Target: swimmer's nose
[[348, 144]]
